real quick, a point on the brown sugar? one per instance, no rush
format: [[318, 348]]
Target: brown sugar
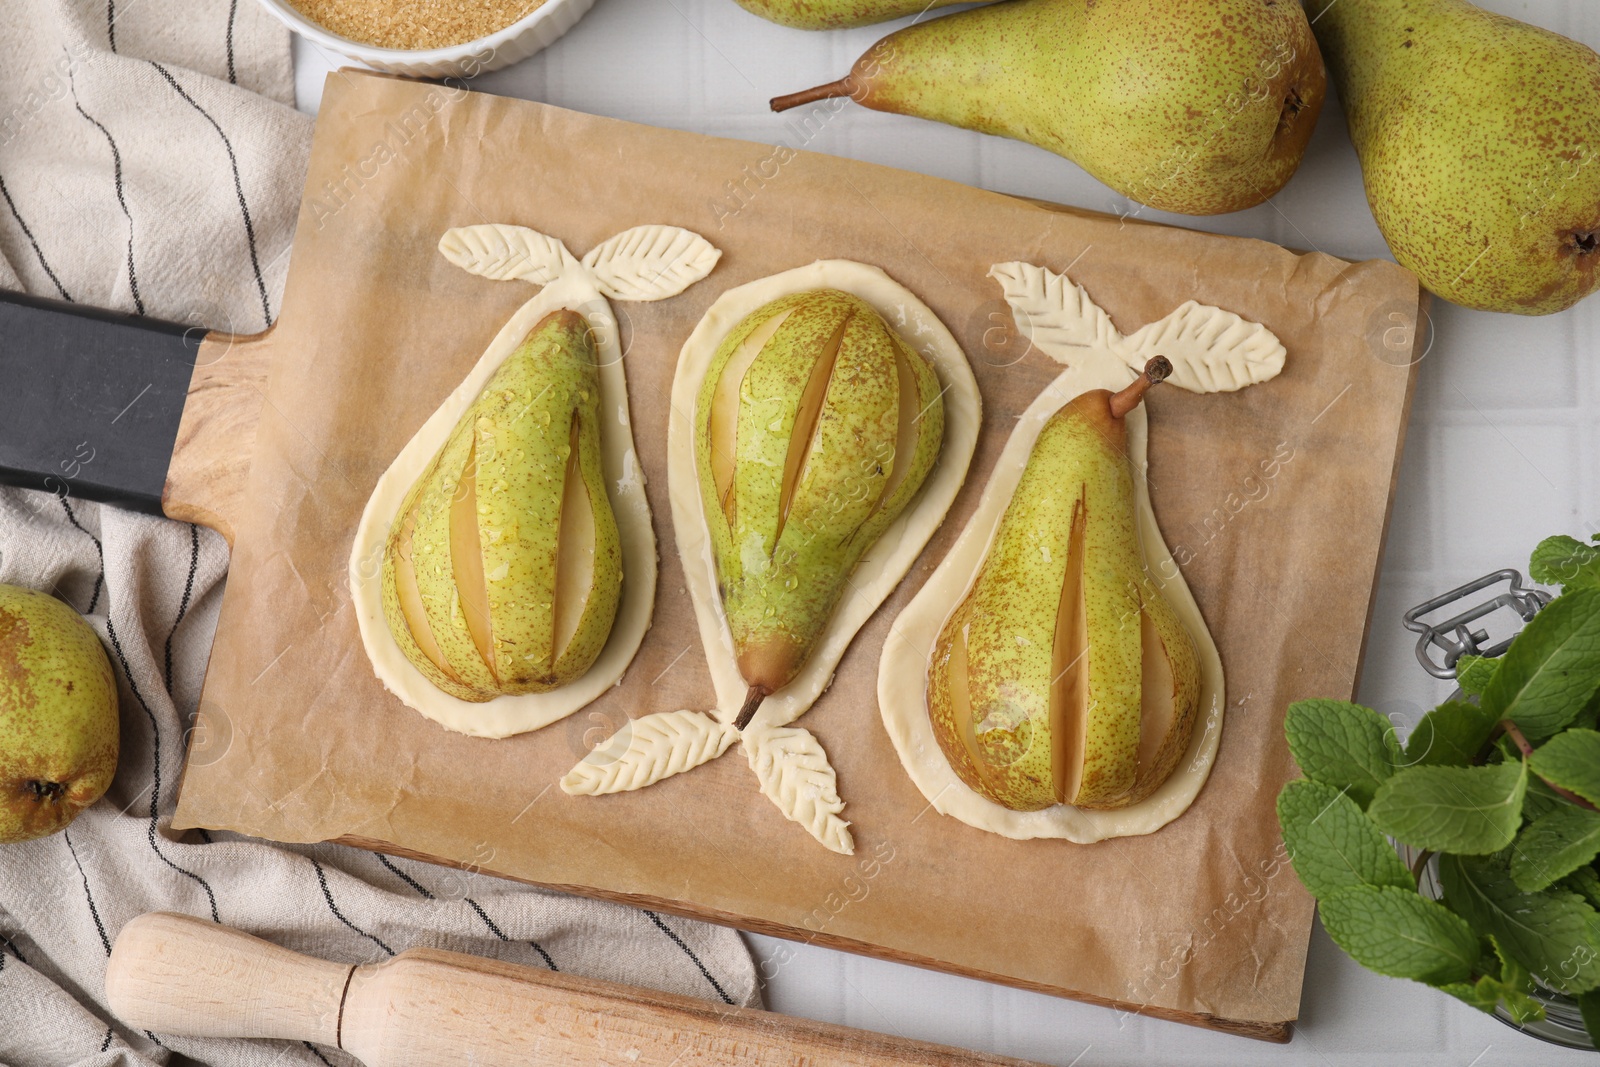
[[414, 24]]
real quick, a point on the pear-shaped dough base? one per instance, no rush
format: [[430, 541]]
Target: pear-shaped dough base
[[903, 671], [509, 715], [888, 560]]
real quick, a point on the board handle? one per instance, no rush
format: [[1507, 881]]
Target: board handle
[[211, 458], [179, 975]]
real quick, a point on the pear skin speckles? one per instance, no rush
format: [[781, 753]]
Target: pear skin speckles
[[1477, 136], [1196, 106], [1066, 554], [501, 476], [828, 384], [837, 14]]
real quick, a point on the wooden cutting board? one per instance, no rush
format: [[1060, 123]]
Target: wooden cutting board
[[1202, 922]]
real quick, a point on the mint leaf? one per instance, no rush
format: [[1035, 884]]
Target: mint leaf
[[1572, 761], [1551, 933], [1553, 846], [1540, 800], [1332, 844], [1522, 1008], [1567, 562], [1453, 809], [1513, 975], [1473, 673], [1589, 1007], [1586, 883], [1343, 745], [1552, 667], [1398, 933], [1450, 735], [1483, 994]]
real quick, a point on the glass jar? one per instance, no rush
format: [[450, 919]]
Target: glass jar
[[1449, 640]]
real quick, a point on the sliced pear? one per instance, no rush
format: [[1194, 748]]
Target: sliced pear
[[1063, 627], [1069, 687], [466, 562], [416, 616], [797, 426], [506, 569], [575, 547]]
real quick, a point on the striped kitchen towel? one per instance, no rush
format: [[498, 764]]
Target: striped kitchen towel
[[151, 160]]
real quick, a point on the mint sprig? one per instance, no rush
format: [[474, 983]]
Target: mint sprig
[[1503, 787]]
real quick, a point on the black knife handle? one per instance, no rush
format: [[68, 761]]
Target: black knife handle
[[90, 400]]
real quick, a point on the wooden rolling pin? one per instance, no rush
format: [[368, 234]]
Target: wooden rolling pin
[[178, 975]]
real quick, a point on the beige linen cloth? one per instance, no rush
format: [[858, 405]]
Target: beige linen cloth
[[151, 160]]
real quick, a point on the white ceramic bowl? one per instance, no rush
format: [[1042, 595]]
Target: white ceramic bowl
[[511, 45]]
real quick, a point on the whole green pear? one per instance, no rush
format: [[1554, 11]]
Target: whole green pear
[[837, 14], [1196, 106], [58, 715], [1479, 139]]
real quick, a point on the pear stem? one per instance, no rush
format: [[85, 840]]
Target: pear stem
[[1125, 400], [842, 87], [752, 701]]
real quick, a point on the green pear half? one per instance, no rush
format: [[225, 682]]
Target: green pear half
[[1064, 675], [815, 427], [503, 569]]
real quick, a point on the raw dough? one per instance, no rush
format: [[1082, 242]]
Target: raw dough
[[888, 560], [507, 715], [1212, 350], [788, 761], [642, 263]]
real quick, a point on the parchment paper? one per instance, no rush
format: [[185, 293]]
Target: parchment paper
[[1273, 499]]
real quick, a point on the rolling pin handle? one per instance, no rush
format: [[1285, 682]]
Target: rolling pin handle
[[174, 974]]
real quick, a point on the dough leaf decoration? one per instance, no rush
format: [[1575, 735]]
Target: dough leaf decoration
[[1211, 350], [507, 253], [642, 263], [648, 749], [1052, 311], [795, 774], [650, 262]]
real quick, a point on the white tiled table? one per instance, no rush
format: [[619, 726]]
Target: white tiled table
[[1501, 451]]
